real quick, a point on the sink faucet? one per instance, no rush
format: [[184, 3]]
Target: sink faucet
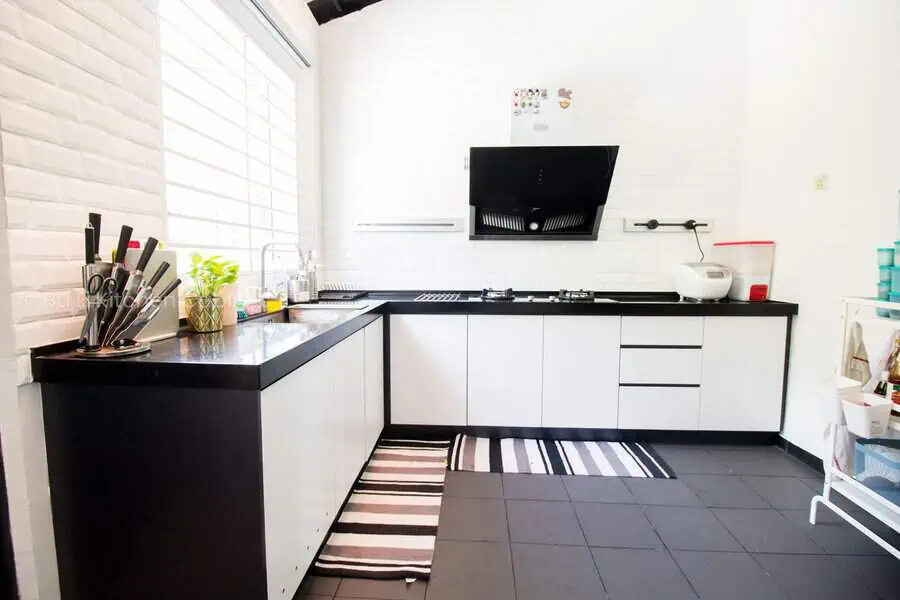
[[266, 247]]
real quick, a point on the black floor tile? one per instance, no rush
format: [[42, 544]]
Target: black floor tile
[[762, 462], [378, 589], [691, 528], [666, 492], [630, 574], [788, 493], [597, 489], [832, 534], [731, 575], [723, 491], [473, 519], [320, 586], [818, 577], [534, 487], [691, 460], [765, 531], [541, 522], [561, 572], [459, 484], [881, 574], [471, 570], [616, 525]]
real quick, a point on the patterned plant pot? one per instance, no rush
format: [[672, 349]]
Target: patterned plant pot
[[204, 313]]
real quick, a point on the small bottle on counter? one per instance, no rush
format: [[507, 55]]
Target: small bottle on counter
[[882, 387]]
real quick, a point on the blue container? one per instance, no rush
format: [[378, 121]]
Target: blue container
[[895, 280], [876, 465], [886, 257], [884, 293], [897, 253], [894, 313], [886, 274]]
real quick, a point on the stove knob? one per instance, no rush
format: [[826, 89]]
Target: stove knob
[[533, 226]]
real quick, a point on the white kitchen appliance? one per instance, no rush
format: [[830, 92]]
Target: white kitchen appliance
[[702, 281]]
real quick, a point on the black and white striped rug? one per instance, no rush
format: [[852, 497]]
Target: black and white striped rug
[[554, 457], [388, 526]]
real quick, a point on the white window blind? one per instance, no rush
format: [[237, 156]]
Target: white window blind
[[230, 137]]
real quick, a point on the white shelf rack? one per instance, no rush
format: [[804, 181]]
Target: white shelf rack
[[836, 480]]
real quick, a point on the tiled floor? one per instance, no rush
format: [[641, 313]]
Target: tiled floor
[[732, 526]]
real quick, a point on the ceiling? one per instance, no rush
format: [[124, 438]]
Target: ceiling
[[328, 10]]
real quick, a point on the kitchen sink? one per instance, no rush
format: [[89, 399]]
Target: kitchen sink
[[322, 313]]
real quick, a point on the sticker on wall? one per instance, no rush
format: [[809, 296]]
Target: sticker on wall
[[565, 98], [542, 116], [527, 101]]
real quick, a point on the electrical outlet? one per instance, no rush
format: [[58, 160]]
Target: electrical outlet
[[820, 182], [667, 225]]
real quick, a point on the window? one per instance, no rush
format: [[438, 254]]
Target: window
[[230, 137]]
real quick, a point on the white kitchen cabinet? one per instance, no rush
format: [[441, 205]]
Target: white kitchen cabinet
[[428, 369], [295, 421], [581, 371], [662, 331], [374, 365], [675, 408], [349, 383], [743, 373], [505, 370]]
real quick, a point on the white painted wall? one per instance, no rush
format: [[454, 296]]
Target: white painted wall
[[408, 86], [823, 97]]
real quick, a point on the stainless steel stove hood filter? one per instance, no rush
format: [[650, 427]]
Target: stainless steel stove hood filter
[[539, 193]]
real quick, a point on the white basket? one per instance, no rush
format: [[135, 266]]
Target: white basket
[[868, 421], [836, 389]]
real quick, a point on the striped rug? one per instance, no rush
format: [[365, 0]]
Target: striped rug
[[517, 455], [388, 526]]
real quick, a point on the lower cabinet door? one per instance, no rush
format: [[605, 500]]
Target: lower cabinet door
[[505, 355], [374, 366], [675, 408], [581, 371]]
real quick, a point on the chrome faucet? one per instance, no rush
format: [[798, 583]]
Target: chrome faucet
[[266, 247]]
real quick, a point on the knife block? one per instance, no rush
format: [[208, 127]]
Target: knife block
[[165, 324]]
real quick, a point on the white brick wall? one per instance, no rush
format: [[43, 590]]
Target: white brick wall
[[80, 130]]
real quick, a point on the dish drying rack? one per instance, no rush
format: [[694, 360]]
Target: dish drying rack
[[866, 312]]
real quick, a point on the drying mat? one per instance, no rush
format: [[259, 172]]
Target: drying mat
[[388, 526], [518, 455]]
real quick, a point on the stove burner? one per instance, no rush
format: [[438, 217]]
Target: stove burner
[[492, 295], [579, 296]]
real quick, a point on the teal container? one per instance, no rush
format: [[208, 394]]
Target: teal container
[[885, 274], [897, 253], [894, 313], [886, 257], [884, 293]]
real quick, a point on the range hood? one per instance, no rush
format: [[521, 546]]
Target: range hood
[[538, 192]]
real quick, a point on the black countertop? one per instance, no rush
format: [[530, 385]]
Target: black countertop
[[259, 352]]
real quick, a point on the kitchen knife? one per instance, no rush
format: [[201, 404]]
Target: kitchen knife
[[143, 296], [94, 219], [120, 274], [89, 254], [147, 313], [130, 291]]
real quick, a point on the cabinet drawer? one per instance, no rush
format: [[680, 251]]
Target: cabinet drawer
[[659, 408], [660, 365], [662, 331]]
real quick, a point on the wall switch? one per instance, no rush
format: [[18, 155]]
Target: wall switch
[[820, 182]]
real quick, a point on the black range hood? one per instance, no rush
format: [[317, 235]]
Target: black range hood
[[538, 192]]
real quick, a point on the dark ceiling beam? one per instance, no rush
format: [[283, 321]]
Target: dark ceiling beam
[[328, 10]]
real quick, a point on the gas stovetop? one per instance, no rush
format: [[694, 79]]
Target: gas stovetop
[[574, 296]]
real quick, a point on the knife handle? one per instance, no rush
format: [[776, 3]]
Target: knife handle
[[122, 248], [89, 254], [94, 219], [160, 271], [168, 290], [147, 253]]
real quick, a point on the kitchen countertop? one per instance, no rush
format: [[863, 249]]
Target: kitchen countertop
[[256, 353]]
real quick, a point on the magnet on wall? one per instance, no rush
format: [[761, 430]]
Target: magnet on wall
[[565, 98]]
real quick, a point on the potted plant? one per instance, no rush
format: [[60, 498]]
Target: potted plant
[[204, 306]]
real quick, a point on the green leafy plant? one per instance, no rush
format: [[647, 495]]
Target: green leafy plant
[[211, 274]]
